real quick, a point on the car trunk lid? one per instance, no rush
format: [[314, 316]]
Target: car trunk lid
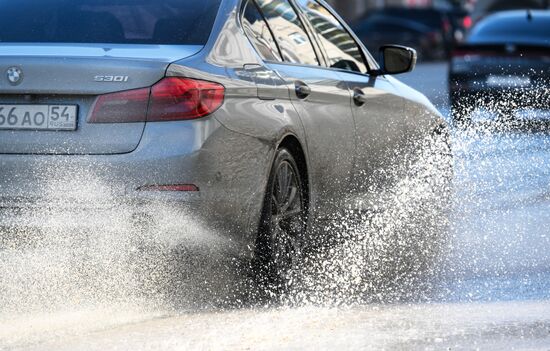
[[76, 75]]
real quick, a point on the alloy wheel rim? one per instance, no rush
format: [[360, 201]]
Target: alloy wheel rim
[[287, 218]]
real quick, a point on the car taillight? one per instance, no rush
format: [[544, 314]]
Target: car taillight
[[467, 22], [171, 99], [175, 99], [123, 107]]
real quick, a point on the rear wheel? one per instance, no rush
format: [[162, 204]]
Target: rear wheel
[[283, 223]]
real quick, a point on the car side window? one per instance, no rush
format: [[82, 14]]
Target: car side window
[[289, 31], [342, 50], [259, 33]]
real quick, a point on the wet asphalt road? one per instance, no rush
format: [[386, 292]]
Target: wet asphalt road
[[494, 295]]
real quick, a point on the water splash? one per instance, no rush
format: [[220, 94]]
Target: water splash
[[390, 252]]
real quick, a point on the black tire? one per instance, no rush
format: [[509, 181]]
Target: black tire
[[283, 224]]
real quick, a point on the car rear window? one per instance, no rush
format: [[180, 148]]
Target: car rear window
[[175, 22]]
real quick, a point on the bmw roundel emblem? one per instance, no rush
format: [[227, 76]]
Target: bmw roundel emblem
[[14, 75]]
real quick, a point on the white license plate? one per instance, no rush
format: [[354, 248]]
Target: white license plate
[[38, 117], [509, 81]]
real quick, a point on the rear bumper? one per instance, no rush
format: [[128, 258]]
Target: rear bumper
[[75, 192], [169, 153], [40, 191]]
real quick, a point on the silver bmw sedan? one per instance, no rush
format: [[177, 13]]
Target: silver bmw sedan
[[258, 116]]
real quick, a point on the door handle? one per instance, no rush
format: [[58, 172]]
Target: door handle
[[302, 90], [359, 97]]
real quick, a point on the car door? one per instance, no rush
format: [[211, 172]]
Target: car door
[[375, 104], [321, 100]]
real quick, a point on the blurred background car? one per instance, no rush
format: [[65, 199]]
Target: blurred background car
[[504, 64], [431, 27], [388, 26], [438, 24]]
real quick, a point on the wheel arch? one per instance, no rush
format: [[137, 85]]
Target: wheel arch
[[293, 144]]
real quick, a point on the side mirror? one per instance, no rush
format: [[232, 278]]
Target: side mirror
[[397, 59]]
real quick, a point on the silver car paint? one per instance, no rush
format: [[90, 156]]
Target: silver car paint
[[329, 132], [228, 155]]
